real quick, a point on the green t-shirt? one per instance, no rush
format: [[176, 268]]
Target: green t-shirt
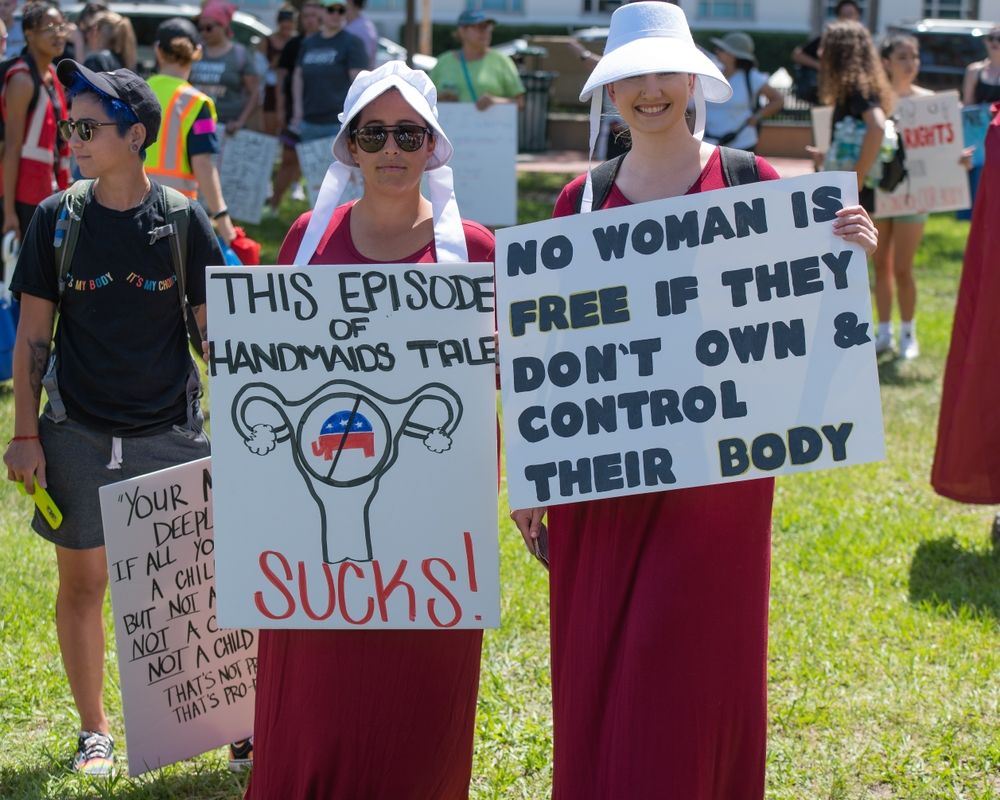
[[493, 74]]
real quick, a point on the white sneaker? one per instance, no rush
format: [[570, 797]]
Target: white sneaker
[[908, 347], [884, 343]]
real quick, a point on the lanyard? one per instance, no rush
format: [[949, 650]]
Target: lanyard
[[468, 78]]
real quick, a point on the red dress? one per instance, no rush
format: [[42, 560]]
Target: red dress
[[356, 714], [967, 460], [659, 631]]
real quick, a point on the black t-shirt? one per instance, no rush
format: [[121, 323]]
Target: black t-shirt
[[326, 64], [287, 60], [855, 106], [121, 346]]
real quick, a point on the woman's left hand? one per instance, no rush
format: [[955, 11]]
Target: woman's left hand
[[855, 226]]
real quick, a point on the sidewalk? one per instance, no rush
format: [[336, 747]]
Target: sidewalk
[[574, 162]]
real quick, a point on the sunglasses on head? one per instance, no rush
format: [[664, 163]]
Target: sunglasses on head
[[84, 128], [372, 138]]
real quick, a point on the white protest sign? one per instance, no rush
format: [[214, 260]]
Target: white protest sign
[[684, 342], [354, 442], [187, 684], [485, 160], [931, 130], [822, 126], [315, 157], [245, 173]]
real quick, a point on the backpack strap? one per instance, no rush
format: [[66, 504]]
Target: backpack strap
[[176, 209], [603, 178], [739, 167], [68, 223]]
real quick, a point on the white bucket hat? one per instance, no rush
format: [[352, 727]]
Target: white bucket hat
[[645, 38], [418, 91]]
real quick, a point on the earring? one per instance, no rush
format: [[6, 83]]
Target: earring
[[135, 148]]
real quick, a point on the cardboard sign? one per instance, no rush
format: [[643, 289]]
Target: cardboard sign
[[975, 122], [315, 157], [697, 340], [485, 160], [354, 442], [187, 684], [245, 173], [931, 129], [822, 126]]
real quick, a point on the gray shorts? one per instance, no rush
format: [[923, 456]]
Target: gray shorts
[[76, 466]]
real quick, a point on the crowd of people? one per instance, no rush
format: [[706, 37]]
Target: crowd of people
[[685, 607]]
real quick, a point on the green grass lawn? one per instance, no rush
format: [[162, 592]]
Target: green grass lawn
[[885, 621]]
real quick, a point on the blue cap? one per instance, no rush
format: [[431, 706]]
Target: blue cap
[[474, 17]]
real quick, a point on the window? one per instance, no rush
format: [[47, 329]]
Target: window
[[385, 5], [725, 9], [500, 6], [950, 9]]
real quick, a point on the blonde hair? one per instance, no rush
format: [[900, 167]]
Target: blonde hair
[[849, 63], [180, 50], [118, 35]]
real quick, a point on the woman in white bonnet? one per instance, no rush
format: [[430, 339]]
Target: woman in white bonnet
[[659, 601], [374, 714]]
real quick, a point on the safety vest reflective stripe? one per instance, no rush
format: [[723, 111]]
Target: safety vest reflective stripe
[[32, 149], [168, 159]]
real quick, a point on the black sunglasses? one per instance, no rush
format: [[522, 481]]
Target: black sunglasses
[[208, 27], [84, 128], [337, 9], [992, 37], [372, 138]]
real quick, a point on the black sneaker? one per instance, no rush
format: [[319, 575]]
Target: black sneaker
[[241, 755], [94, 754]]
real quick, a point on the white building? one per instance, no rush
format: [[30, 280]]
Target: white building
[[749, 15]]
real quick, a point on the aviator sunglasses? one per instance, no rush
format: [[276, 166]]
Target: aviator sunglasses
[[372, 138], [84, 128]]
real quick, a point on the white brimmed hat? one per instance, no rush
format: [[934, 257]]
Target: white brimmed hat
[[418, 91], [646, 38], [654, 37]]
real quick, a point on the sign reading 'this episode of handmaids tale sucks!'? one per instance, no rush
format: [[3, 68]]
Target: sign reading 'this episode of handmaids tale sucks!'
[[697, 340], [354, 446]]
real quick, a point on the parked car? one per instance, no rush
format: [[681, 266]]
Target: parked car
[[947, 47], [388, 50]]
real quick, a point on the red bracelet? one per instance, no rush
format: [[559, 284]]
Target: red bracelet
[[23, 438]]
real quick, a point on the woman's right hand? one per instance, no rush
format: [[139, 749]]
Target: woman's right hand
[[529, 523], [11, 223], [25, 460]]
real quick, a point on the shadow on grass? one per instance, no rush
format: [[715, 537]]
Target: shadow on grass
[[56, 781], [893, 371], [942, 572]]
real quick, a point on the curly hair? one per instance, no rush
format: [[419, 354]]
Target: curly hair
[[849, 63]]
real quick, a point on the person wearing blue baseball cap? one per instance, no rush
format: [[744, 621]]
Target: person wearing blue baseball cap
[[123, 261], [474, 73]]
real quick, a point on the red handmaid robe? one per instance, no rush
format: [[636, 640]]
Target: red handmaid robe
[[659, 631], [967, 458], [365, 714]]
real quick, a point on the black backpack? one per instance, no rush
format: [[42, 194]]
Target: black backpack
[[739, 167]]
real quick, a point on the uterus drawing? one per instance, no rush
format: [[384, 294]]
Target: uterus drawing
[[344, 437]]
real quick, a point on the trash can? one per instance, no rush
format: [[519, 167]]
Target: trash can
[[533, 123]]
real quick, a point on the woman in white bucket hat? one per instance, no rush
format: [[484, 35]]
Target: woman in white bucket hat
[[659, 601], [386, 714]]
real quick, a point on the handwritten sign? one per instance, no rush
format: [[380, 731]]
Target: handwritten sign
[[354, 438], [485, 160], [245, 173], [315, 157], [975, 122], [822, 126], [931, 130], [187, 683], [684, 342]]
